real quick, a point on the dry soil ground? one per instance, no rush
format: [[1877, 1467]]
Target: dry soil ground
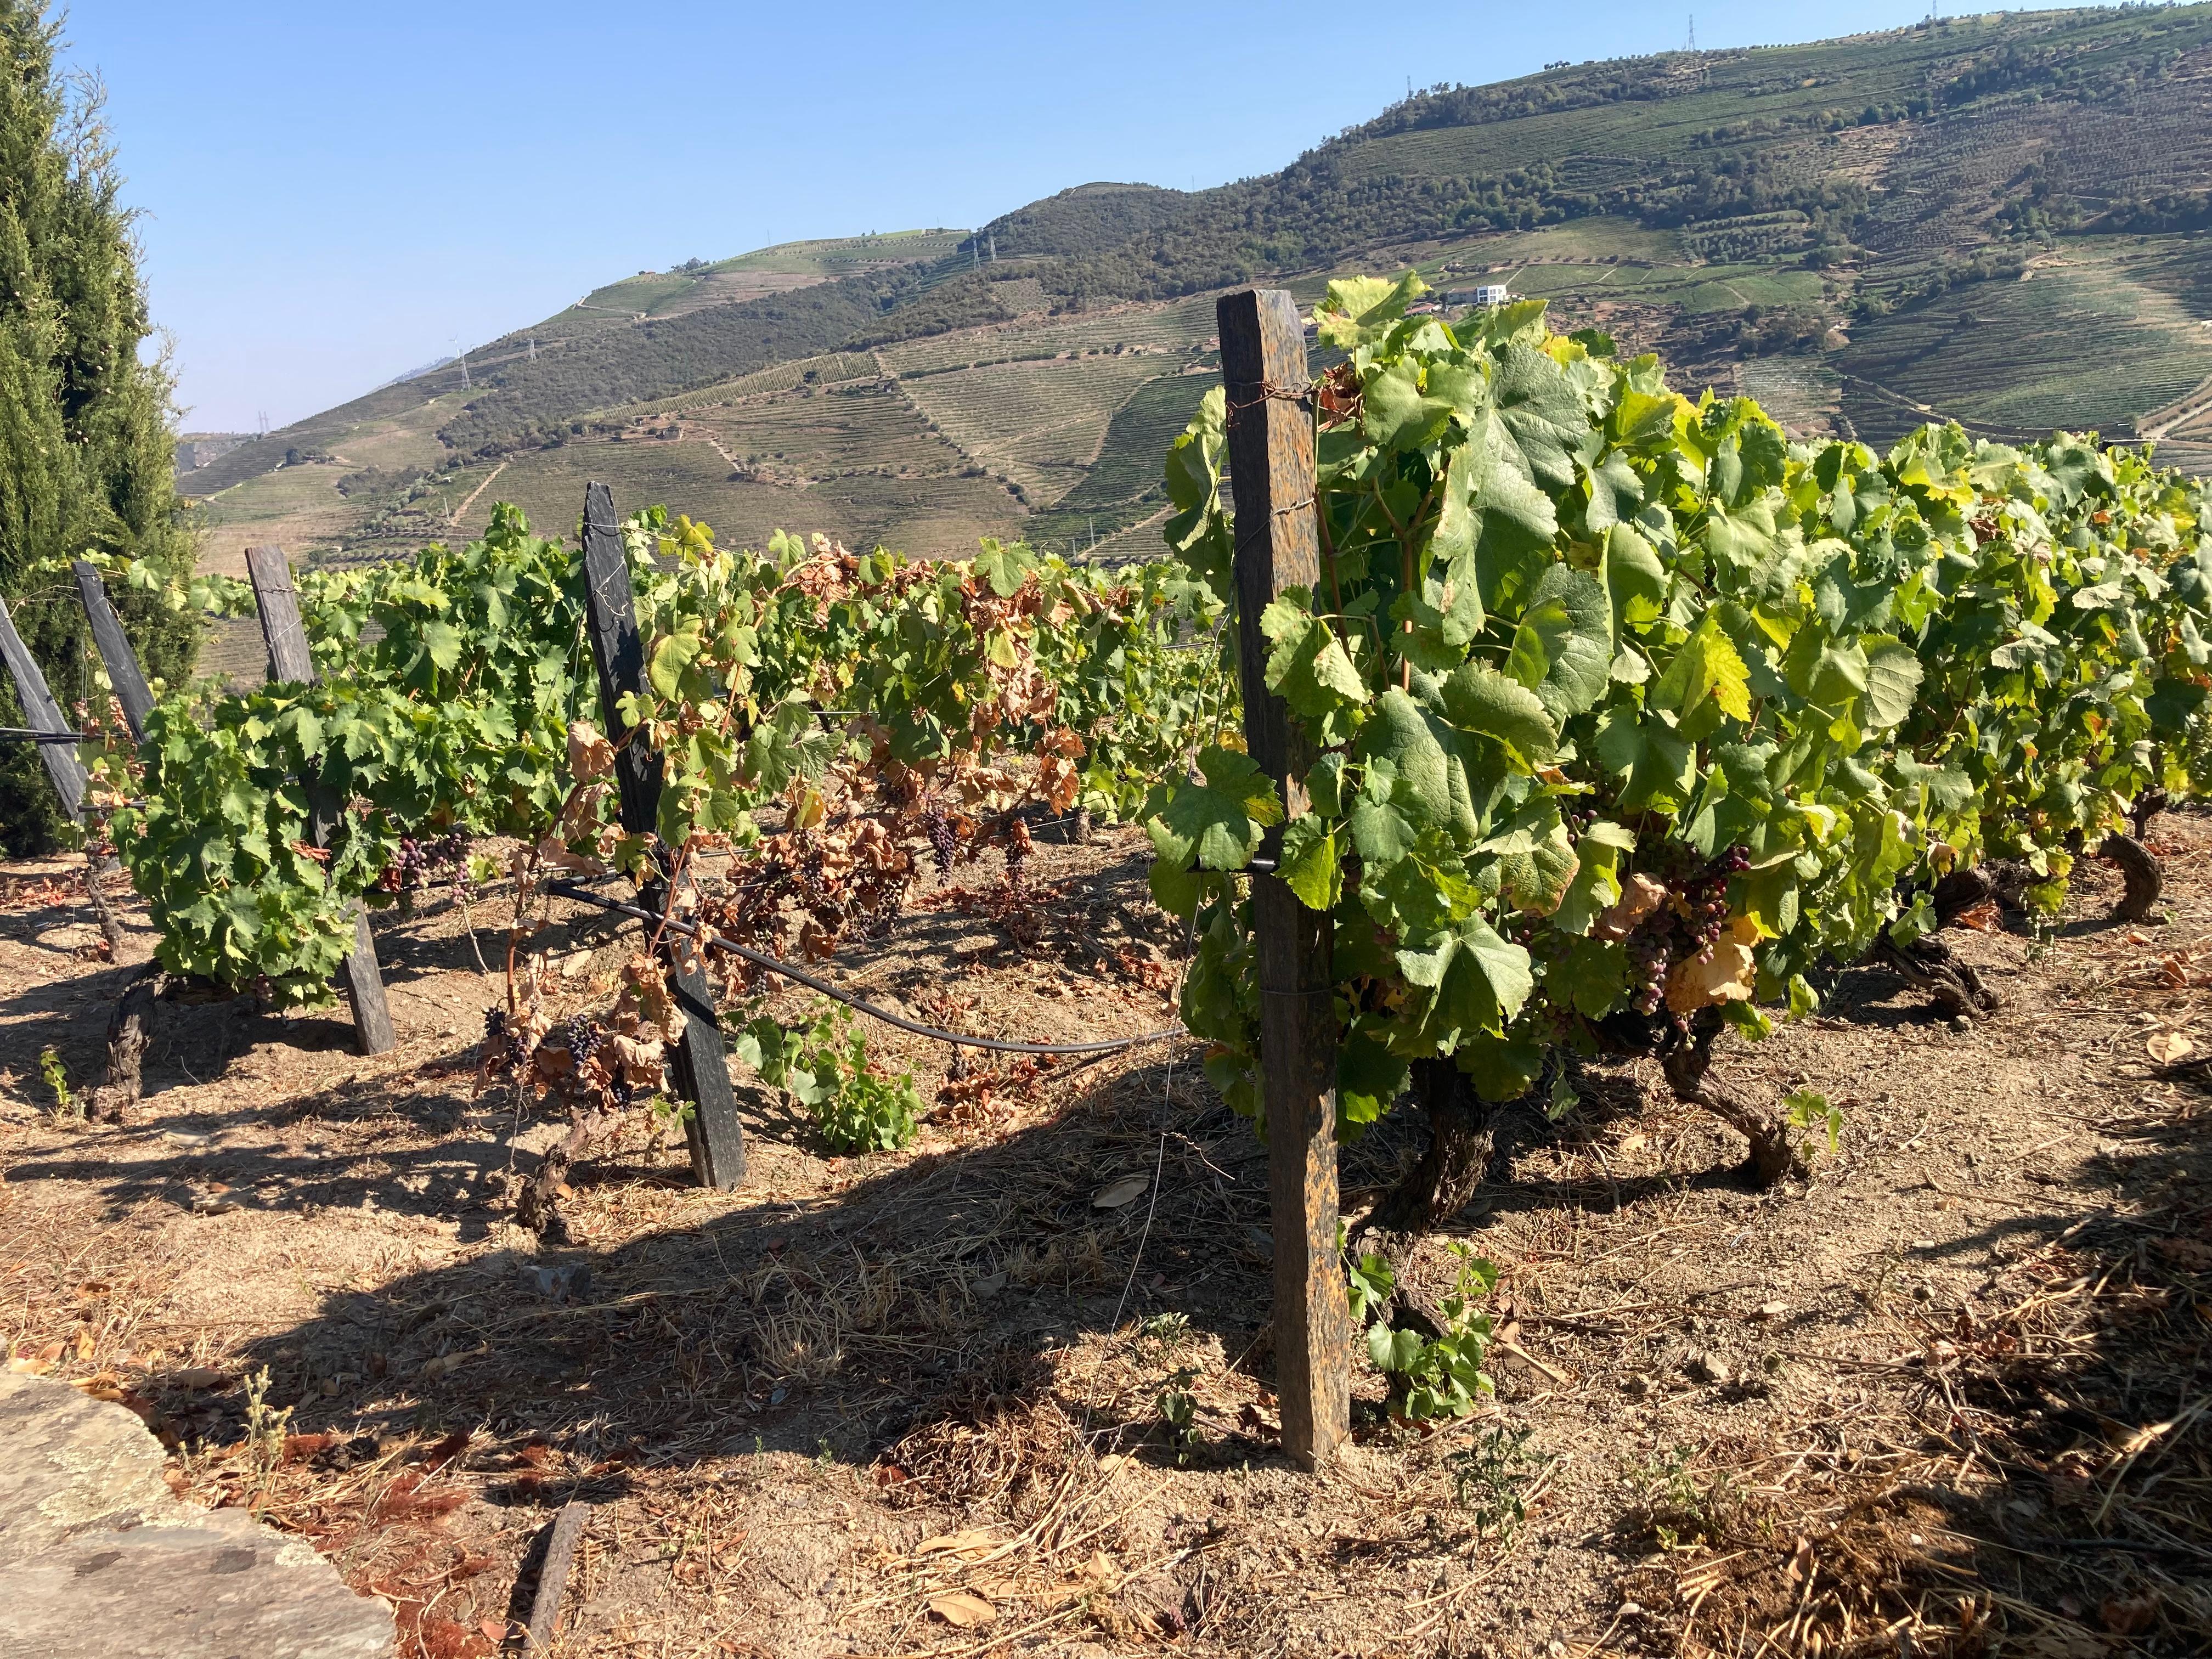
[[1949, 1396]]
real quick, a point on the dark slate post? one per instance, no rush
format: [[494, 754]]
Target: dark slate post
[[290, 662], [702, 1067]]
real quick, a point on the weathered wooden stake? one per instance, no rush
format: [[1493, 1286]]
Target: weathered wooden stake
[[553, 1577], [1271, 463], [63, 768], [42, 713], [290, 662], [116, 655], [702, 1067], [129, 1028]]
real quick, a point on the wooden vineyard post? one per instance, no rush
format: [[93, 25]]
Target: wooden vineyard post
[[42, 713], [1270, 464], [126, 1033], [702, 1067], [116, 655], [126, 1029], [290, 662]]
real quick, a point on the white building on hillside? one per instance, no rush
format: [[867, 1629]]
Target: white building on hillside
[[1489, 293]]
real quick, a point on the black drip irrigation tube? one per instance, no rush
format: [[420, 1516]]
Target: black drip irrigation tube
[[707, 937], [25, 734]]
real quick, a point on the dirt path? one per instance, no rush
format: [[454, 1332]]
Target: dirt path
[[1949, 1396], [454, 517], [2193, 403]]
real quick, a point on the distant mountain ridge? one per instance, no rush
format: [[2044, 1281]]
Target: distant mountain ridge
[[2001, 218]]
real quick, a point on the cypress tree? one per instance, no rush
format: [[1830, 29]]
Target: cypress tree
[[87, 455]]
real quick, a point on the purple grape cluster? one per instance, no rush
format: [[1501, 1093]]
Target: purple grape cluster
[[418, 859], [1647, 954], [585, 1039], [1667, 935], [1706, 895], [1733, 862], [498, 1025], [455, 852], [943, 844]]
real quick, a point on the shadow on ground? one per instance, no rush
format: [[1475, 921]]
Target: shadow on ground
[[2059, 1502]]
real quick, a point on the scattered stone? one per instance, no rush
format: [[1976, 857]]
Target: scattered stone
[[101, 1558], [1116, 1195], [1637, 1386], [1766, 1310], [1703, 1367], [571, 1283]]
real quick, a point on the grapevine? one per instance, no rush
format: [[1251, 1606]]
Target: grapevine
[[1633, 715], [1633, 711], [449, 725]]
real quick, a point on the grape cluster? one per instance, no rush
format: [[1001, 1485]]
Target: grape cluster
[[417, 859], [465, 875], [1733, 862], [1696, 915], [943, 844], [498, 1026], [1706, 894], [1647, 955], [585, 1039]]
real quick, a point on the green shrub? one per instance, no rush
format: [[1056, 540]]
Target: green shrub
[[823, 1064]]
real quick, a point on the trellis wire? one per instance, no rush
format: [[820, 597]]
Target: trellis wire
[[712, 941]]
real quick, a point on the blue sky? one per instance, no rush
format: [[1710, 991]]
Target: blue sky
[[334, 195]]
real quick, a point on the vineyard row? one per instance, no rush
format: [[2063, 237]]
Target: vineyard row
[[1546, 716]]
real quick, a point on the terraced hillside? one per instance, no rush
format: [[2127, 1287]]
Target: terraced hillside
[[2091, 335], [777, 269], [2002, 218]]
